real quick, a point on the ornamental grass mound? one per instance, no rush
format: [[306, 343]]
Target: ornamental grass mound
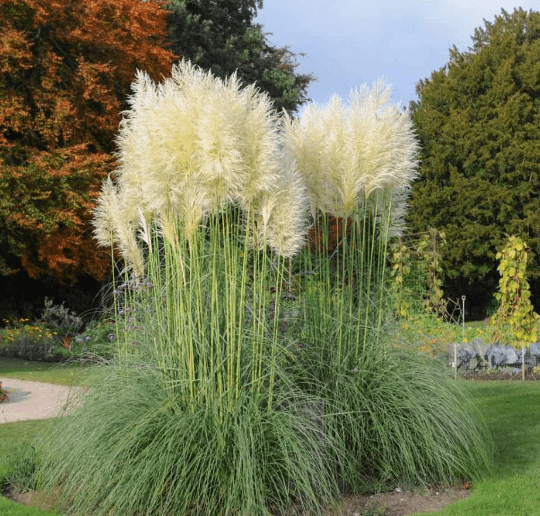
[[219, 401], [138, 447]]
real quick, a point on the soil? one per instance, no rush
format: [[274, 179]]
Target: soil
[[395, 503], [398, 502]]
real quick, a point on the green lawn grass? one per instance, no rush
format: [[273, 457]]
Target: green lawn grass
[[14, 439], [60, 374], [512, 412]]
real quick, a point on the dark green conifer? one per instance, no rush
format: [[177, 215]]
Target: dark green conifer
[[478, 120], [222, 36]]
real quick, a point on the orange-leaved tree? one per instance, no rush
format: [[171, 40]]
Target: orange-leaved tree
[[66, 67]]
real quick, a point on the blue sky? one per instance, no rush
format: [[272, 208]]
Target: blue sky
[[353, 42]]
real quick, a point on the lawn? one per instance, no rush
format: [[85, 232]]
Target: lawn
[[512, 413], [60, 374], [14, 438]]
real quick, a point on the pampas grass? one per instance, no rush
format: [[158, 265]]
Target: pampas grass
[[209, 408], [196, 415], [136, 448], [402, 417], [358, 162]]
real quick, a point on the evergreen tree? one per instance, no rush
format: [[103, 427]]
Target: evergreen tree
[[478, 121], [221, 36]]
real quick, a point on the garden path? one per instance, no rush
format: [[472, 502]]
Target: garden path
[[35, 400]]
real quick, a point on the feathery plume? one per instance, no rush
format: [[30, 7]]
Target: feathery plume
[[260, 141], [106, 214], [190, 145], [281, 214], [346, 154], [383, 137], [304, 144]]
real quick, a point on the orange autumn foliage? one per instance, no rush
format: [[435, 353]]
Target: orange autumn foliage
[[66, 67], [325, 239]]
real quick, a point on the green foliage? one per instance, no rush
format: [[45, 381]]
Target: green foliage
[[405, 291], [158, 455], [478, 121], [96, 342], [374, 510], [515, 322], [3, 394], [18, 441], [23, 477], [431, 334], [59, 319], [386, 400], [45, 339], [509, 490], [40, 341], [222, 37], [56, 336], [417, 274]]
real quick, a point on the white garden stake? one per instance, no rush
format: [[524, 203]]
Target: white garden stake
[[463, 317]]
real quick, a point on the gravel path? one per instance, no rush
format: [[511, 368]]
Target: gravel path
[[36, 400]]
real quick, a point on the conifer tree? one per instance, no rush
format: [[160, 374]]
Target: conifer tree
[[478, 121], [222, 36]]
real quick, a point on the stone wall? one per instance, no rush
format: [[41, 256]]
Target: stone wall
[[477, 355]]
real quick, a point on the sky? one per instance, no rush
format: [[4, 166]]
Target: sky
[[349, 43]]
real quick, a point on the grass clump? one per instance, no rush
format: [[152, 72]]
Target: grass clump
[[210, 406], [402, 417], [158, 454], [196, 415]]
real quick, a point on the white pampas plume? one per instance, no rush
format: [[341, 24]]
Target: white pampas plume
[[193, 205], [281, 214], [383, 136], [260, 141], [218, 132], [126, 239], [190, 145], [303, 144], [106, 214], [344, 154], [144, 232]]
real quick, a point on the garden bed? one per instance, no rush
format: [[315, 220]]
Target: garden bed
[[392, 503]]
